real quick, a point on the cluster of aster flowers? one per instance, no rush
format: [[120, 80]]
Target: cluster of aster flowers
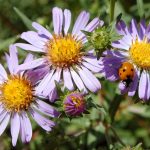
[[64, 61]]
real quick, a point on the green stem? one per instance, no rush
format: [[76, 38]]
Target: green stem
[[86, 140], [112, 8], [108, 139], [114, 105], [117, 137]]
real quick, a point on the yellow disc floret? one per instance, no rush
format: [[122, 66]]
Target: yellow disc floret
[[78, 101], [140, 54], [16, 93], [64, 51]]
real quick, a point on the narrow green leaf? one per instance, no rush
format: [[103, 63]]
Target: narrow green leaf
[[86, 112], [140, 7], [114, 106], [27, 22], [115, 36], [87, 46], [117, 137], [86, 33], [5, 43], [138, 146]]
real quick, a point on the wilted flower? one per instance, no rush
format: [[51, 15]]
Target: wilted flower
[[63, 53], [74, 104], [17, 98], [134, 48]]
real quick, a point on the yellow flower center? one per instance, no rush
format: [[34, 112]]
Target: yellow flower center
[[78, 101], [140, 54], [64, 51], [16, 93]]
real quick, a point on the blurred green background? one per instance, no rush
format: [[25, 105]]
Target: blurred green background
[[125, 126]]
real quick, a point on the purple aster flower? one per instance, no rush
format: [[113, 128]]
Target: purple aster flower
[[63, 53], [74, 104], [17, 98], [134, 47]]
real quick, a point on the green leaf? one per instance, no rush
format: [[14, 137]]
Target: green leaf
[[87, 33], [112, 26], [27, 22], [115, 36], [140, 8], [5, 43], [87, 46], [58, 87], [114, 106], [86, 112], [137, 147]]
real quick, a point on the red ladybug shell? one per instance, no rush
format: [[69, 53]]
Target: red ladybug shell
[[126, 71]]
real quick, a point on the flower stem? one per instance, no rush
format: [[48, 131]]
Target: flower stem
[[114, 106], [117, 137], [112, 7]]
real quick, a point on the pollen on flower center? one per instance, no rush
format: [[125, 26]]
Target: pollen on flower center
[[64, 51], [140, 54], [78, 102], [74, 104], [16, 93]]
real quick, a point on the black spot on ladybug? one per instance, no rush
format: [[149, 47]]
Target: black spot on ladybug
[[128, 76], [132, 70], [124, 70]]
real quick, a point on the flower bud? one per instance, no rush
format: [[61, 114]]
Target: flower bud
[[74, 104], [100, 38]]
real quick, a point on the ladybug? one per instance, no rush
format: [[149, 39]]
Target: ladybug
[[126, 73]]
